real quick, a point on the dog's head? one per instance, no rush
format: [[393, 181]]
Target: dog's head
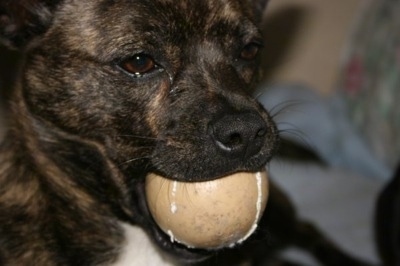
[[162, 86]]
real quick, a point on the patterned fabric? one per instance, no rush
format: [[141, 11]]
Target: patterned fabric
[[370, 81]]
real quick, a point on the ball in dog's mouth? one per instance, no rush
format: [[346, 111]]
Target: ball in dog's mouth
[[210, 214]]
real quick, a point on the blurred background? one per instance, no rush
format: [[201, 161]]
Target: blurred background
[[331, 81]]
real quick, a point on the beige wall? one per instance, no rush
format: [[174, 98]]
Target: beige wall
[[305, 40]]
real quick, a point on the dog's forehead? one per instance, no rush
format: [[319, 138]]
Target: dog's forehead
[[112, 24], [196, 12]]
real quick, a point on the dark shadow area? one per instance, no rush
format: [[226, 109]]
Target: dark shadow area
[[8, 71], [280, 29]]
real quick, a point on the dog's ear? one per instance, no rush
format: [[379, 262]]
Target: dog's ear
[[23, 20], [259, 8]]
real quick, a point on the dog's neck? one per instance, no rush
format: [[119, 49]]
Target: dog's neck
[[54, 196]]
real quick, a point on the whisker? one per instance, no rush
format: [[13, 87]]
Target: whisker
[[286, 128], [138, 137], [134, 159], [259, 94], [286, 106], [297, 136]]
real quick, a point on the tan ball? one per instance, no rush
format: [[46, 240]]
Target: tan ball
[[210, 214]]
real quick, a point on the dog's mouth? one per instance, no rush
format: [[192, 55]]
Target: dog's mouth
[[194, 203]]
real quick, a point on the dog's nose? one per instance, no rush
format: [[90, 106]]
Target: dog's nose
[[239, 135]]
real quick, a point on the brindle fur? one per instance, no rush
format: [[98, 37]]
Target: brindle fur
[[84, 133]]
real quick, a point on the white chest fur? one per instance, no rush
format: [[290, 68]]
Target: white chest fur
[[139, 250]]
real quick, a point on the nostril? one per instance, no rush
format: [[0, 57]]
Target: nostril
[[261, 132], [235, 139], [230, 142]]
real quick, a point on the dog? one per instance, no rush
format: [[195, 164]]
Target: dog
[[111, 90]]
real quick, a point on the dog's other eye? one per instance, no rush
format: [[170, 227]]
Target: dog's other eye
[[139, 64], [250, 51]]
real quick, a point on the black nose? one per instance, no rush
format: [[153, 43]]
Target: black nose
[[239, 135]]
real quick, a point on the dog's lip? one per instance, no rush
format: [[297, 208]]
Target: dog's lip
[[179, 177], [183, 253]]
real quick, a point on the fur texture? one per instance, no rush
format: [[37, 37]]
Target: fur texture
[[111, 90]]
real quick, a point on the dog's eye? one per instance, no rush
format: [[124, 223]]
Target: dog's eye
[[250, 51], [139, 64]]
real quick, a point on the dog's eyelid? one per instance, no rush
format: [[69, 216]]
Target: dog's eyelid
[[260, 43], [258, 40]]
